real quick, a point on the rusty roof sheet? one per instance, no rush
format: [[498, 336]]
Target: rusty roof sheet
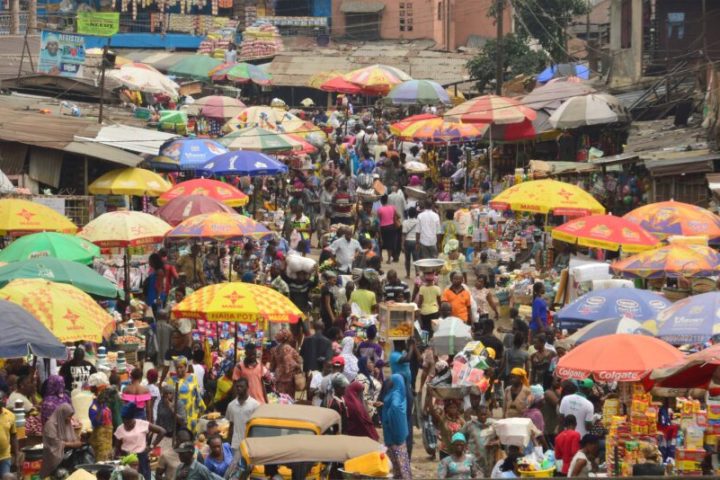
[[50, 131]]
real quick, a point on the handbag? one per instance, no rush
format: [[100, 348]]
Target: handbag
[[300, 381]]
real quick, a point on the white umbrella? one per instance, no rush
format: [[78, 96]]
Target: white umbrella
[[145, 80], [414, 166], [593, 109], [451, 336]]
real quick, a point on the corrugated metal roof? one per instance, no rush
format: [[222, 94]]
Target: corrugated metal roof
[[294, 69], [133, 139], [358, 6], [48, 131], [104, 152]]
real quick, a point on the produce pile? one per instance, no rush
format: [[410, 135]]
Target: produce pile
[[260, 40]]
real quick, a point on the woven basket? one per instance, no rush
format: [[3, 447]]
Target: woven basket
[[675, 294]]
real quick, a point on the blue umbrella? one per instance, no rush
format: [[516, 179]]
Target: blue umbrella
[[694, 319], [23, 334], [243, 163], [610, 326], [191, 153], [564, 70], [633, 303]]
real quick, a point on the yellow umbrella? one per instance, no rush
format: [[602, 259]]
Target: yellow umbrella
[[125, 229], [547, 196], [130, 181], [21, 216], [69, 313], [238, 302], [455, 99]]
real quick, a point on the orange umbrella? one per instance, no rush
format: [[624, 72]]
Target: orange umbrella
[[215, 189], [663, 219], [675, 260], [617, 358]]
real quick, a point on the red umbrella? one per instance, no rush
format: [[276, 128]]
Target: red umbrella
[[181, 208], [693, 371], [220, 191], [513, 132], [617, 358], [491, 109], [340, 85], [306, 147]]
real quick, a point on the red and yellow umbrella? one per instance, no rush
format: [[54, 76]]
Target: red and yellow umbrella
[[124, 228], [340, 85], [378, 79], [222, 192], [675, 260], [676, 218], [398, 127], [238, 302], [547, 196], [491, 109], [19, 216], [68, 312], [607, 232], [441, 132], [219, 226]]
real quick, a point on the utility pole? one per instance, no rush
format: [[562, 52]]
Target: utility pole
[[32, 17], [14, 17], [499, 67]]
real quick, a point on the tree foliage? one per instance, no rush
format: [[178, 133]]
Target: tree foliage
[[547, 21], [518, 59]]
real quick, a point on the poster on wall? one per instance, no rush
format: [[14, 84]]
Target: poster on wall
[[61, 54], [101, 24]]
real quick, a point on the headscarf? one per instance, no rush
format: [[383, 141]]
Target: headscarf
[[394, 412], [351, 362], [538, 394], [363, 367], [414, 181], [520, 372], [180, 360], [339, 381], [359, 423], [56, 432], [129, 410], [54, 397], [283, 336], [403, 368]]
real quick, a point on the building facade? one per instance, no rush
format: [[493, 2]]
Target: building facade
[[450, 23]]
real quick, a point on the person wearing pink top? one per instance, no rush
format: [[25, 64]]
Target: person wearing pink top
[[388, 218]]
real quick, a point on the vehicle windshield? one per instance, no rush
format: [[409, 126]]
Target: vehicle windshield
[[273, 431]]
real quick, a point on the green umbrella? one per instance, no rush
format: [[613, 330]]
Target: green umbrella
[[243, 73], [61, 271], [195, 67], [50, 244]]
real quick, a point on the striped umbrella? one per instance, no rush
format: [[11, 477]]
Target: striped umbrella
[[243, 73], [418, 92], [610, 326], [490, 109], [439, 131], [220, 191], [219, 226], [377, 78], [585, 110], [493, 110], [260, 140], [217, 107], [398, 127]]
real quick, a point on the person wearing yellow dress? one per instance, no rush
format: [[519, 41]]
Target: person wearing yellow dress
[[454, 262], [188, 392]]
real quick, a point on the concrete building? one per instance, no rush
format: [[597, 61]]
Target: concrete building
[[450, 23]]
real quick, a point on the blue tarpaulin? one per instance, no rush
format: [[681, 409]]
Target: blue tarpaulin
[[23, 334], [564, 70]]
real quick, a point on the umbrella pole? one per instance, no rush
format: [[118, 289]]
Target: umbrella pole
[[490, 161], [126, 283]]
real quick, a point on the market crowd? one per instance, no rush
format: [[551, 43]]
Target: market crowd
[[372, 207]]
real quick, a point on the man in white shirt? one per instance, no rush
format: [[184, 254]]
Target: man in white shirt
[[345, 249], [239, 412], [397, 200], [429, 231], [578, 405]]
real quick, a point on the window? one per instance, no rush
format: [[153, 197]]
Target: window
[[406, 16]]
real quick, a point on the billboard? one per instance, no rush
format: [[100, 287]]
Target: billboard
[[61, 54]]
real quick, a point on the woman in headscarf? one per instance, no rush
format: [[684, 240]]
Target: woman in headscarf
[[189, 399], [338, 384], [370, 384], [448, 421], [400, 364], [54, 397], [359, 423], [395, 426], [285, 363], [351, 362], [517, 395], [101, 418], [58, 434]]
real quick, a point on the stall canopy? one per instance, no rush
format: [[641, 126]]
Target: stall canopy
[[301, 448]]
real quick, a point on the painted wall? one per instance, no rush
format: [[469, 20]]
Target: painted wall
[[425, 19]]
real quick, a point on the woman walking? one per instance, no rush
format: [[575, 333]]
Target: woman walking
[[395, 426]]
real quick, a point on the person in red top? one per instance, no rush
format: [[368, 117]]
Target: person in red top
[[567, 443]]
